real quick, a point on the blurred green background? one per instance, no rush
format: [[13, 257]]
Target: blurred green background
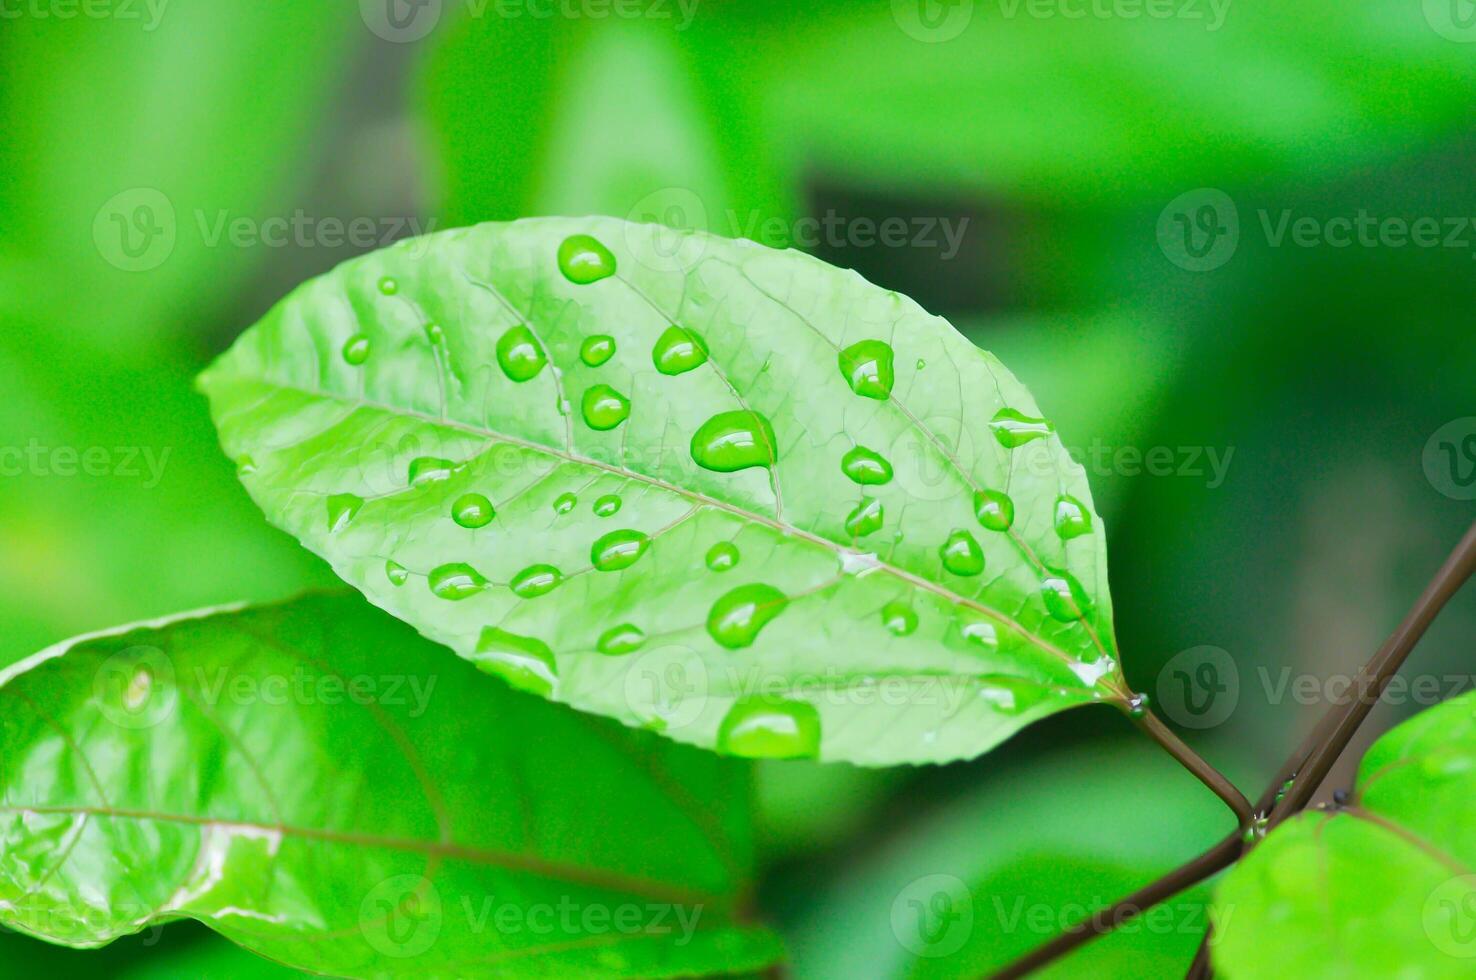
[[1179, 221]]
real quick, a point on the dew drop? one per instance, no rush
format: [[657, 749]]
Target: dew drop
[[564, 503], [867, 368], [604, 408], [770, 728], [430, 469], [898, 618], [388, 286], [245, 466], [607, 506], [397, 574], [921, 364], [678, 351], [519, 355], [524, 662], [995, 510], [341, 510], [1064, 596], [455, 581], [1072, 518], [735, 619], [1013, 428], [597, 349], [472, 510], [356, 349], [962, 554], [981, 634], [722, 556], [434, 333], [619, 640], [732, 441], [618, 550], [536, 580], [866, 467], [583, 260], [865, 519]]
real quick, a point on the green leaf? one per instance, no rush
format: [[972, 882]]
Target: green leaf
[[319, 785], [1401, 854], [698, 535]]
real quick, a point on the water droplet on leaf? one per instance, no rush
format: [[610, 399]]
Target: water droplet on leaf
[[455, 581], [732, 441], [722, 556], [618, 550], [388, 286], [596, 350], [536, 580], [678, 351], [356, 349], [865, 519], [607, 506], [341, 509], [564, 503], [866, 467], [1013, 428], [981, 634], [430, 469], [735, 619], [962, 554], [770, 728], [898, 618], [397, 574], [583, 259], [1072, 518], [519, 355], [867, 368], [619, 640], [524, 662], [994, 509], [472, 510], [1064, 596], [604, 408]]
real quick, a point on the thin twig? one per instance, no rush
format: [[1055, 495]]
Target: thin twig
[[1155, 729]]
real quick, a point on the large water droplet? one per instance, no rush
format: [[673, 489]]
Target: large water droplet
[[995, 510], [604, 408], [898, 618], [341, 509], [867, 368], [472, 510], [519, 355], [1072, 518], [962, 554], [564, 503], [430, 469], [607, 506], [722, 556], [536, 580], [455, 581], [397, 574], [356, 349], [619, 640], [735, 619], [770, 728], [866, 467], [583, 259], [865, 519], [732, 441], [1065, 598], [388, 286], [618, 550], [678, 351], [1014, 428], [597, 349], [524, 662]]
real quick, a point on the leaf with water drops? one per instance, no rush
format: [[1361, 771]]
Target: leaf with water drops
[[1383, 885], [322, 786], [731, 494]]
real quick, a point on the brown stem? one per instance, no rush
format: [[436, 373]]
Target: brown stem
[[1155, 729]]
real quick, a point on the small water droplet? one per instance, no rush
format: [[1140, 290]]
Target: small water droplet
[[430, 469], [434, 333], [921, 364], [397, 574], [866, 467], [994, 509], [678, 351], [867, 368], [770, 728], [962, 554], [1064, 596], [524, 662], [604, 408], [341, 509], [898, 618], [981, 634], [1072, 518], [722, 556], [388, 286], [245, 466], [607, 506], [455, 581], [865, 519], [732, 441], [536, 580], [597, 349], [618, 550], [519, 355], [583, 259], [1138, 707], [735, 619], [619, 640], [356, 349], [1014, 428], [472, 510], [564, 503]]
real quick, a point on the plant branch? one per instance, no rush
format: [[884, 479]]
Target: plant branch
[[1155, 729]]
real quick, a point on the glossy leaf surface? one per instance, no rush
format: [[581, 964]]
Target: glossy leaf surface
[[791, 515]]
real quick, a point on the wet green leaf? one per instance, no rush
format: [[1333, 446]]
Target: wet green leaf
[[874, 622], [316, 783], [1383, 887]]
